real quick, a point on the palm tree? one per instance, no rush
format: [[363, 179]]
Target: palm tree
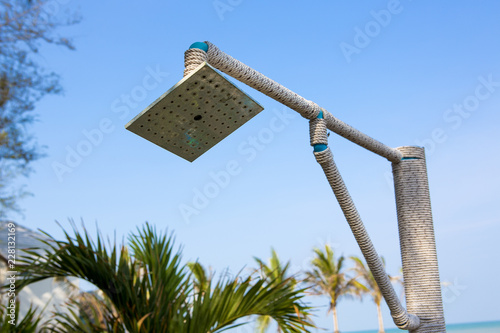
[[328, 278], [370, 286], [150, 290], [275, 273]]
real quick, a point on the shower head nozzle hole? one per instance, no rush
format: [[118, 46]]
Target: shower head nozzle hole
[[197, 117]]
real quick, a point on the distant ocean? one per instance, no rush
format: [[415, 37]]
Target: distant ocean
[[484, 327]]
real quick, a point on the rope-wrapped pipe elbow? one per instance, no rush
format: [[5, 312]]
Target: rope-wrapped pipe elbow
[[318, 131], [192, 59], [406, 321]]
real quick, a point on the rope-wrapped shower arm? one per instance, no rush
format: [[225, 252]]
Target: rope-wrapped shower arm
[[201, 52]]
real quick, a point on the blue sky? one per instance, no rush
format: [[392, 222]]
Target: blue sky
[[404, 72]]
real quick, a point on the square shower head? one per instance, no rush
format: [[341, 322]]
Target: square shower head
[[195, 114]]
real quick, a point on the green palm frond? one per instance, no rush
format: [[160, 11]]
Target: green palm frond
[[148, 289], [275, 272], [201, 278], [30, 323], [134, 285], [230, 300]]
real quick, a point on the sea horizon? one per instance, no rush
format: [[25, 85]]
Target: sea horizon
[[471, 327]]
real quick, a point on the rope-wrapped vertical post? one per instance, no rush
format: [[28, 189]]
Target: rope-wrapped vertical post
[[417, 241]]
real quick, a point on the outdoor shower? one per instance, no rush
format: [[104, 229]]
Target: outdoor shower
[[204, 108]]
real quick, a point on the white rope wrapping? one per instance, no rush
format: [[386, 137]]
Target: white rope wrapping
[[402, 319], [418, 245], [306, 108], [192, 59], [317, 130]]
